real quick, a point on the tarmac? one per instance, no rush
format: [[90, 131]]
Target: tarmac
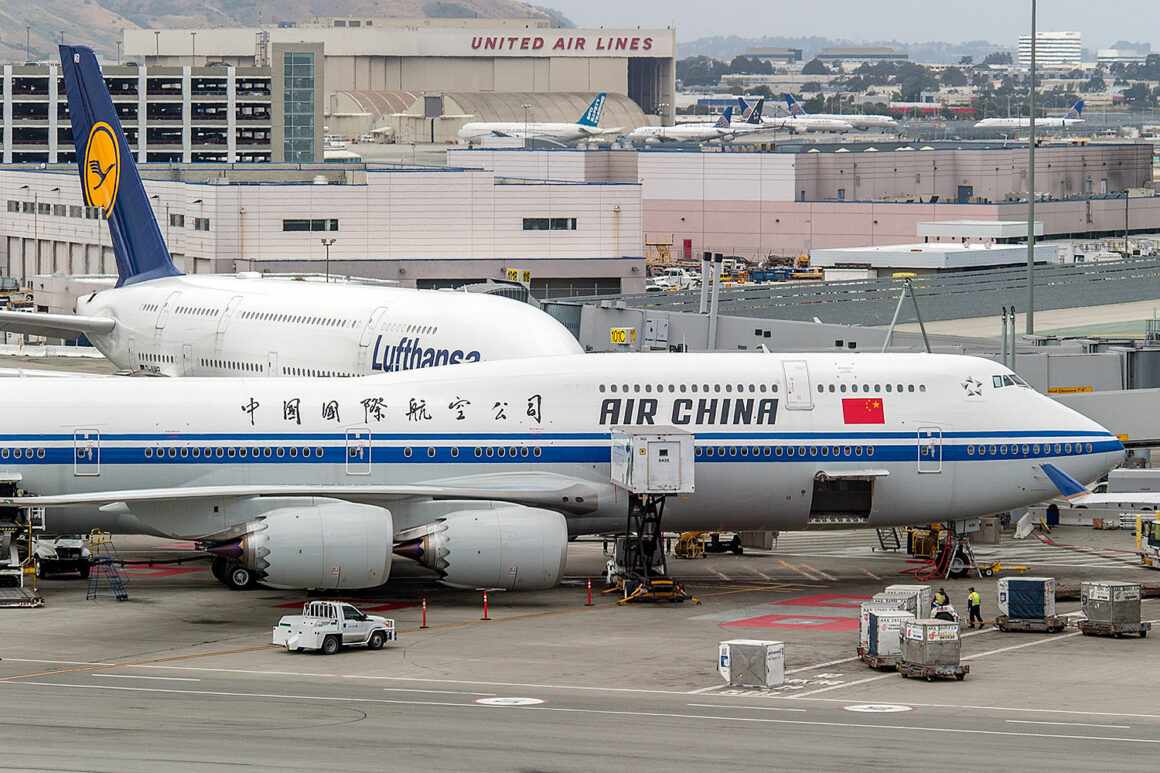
[[182, 676]]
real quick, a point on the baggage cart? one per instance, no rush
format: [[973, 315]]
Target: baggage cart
[[1115, 630], [930, 673], [1052, 624], [877, 662]]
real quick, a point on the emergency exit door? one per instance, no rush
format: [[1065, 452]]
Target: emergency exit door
[[798, 396], [86, 453]]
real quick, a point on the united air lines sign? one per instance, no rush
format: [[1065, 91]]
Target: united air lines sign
[[563, 43]]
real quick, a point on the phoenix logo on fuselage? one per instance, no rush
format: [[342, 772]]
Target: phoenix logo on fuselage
[[102, 169]]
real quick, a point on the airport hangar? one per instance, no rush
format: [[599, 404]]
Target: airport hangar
[[416, 226], [425, 78]]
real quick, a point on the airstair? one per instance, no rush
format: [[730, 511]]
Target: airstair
[[105, 578], [889, 539]]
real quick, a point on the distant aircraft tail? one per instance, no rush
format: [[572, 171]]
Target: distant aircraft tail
[[109, 179], [793, 105], [591, 116], [1076, 110], [745, 109], [755, 114], [726, 119]]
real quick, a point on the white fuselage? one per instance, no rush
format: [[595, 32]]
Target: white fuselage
[[806, 123], [560, 132], [213, 325], [857, 120], [931, 433], [692, 132], [1025, 123]]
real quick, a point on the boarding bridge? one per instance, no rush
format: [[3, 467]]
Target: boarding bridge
[[1132, 414]]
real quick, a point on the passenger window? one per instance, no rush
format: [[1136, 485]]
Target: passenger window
[[910, 387], [536, 452], [407, 453], [832, 388]]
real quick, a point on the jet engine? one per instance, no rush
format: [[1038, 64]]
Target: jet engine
[[491, 545], [324, 544]]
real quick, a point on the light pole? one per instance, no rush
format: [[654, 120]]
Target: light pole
[[526, 108], [1031, 188], [326, 243]]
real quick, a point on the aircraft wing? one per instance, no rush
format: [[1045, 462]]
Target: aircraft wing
[[596, 131], [559, 492], [1075, 493], [54, 325]]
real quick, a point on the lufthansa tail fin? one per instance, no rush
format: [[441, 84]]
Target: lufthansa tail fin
[[109, 179], [591, 116], [726, 119]]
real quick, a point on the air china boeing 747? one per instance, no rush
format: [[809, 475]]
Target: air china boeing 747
[[481, 472]]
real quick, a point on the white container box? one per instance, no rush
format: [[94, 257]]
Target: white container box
[[924, 592], [652, 460], [751, 663], [892, 604], [886, 632], [1027, 598], [905, 600]]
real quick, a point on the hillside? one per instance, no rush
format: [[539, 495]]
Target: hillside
[[98, 23]]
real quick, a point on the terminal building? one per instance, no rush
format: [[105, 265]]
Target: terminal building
[[793, 201], [410, 65], [417, 226], [266, 109]]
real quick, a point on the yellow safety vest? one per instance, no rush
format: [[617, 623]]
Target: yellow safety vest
[[974, 599]]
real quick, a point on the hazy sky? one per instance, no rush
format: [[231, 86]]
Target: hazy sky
[[1000, 21]]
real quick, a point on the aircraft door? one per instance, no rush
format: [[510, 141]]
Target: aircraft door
[[86, 453], [224, 322], [366, 353], [186, 360], [929, 449], [166, 308], [272, 364], [797, 386], [358, 451]]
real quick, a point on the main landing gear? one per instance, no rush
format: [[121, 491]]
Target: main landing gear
[[232, 575]]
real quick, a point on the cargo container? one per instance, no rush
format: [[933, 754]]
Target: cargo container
[[751, 663], [1027, 598], [930, 649], [893, 604], [1111, 608], [924, 592], [907, 601], [885, 639]]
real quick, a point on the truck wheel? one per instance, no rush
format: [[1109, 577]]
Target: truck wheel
[[330, 645], [40, 569], [376, 641], [83, 570], [240, 578]]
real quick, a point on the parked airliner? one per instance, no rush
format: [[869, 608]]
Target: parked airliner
[[723, 129], [857, 120], [159, 321], [587, 126], [1073, 117], [791, 123], [482, 472]]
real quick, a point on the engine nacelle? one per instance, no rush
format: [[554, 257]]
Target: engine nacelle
[[324, 544], [492, 545]]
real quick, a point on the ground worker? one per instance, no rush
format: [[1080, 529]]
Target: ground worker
[[941, 599], [975, 606]]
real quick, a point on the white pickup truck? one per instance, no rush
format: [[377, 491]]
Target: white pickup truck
[[328, 626]]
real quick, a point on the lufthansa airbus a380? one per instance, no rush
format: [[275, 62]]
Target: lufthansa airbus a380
[[159, 321], [482, 472]]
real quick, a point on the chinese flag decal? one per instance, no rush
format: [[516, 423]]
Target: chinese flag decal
[[863, 410]]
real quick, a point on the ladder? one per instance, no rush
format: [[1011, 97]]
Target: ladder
[[888, 539], [105, 577]]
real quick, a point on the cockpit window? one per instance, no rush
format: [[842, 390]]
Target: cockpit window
[[1008, 380]]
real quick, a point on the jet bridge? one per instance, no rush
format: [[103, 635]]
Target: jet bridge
[[651, 464]]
